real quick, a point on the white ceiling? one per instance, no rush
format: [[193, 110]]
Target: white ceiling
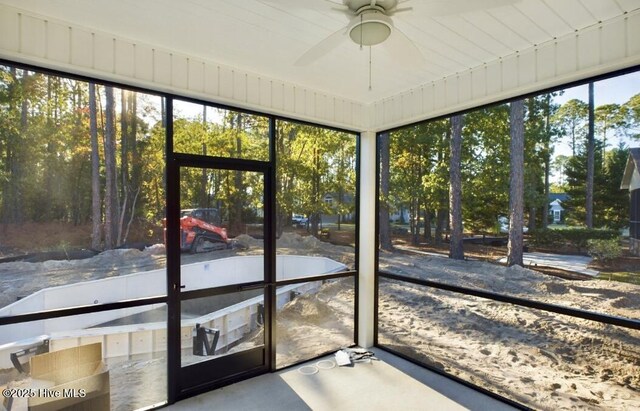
[[268, 36]]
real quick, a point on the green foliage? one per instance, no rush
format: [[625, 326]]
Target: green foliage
[[604, 250], [610, 204], [574, 237], [313, 162]]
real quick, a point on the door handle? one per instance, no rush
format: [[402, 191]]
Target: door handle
[[176, 287], [248, 287]]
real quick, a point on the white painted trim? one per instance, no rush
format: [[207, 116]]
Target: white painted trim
[[367, 240], [37, 40], [609, 46]]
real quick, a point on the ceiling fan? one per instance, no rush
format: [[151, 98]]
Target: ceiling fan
[[370, 24]]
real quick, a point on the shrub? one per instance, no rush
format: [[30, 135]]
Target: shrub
[[604, 250], [576, 237], [546, 237]]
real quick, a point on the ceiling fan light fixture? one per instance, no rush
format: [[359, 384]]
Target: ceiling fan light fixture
[[370, 28]]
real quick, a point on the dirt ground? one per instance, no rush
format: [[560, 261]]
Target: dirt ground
[[544, 360]]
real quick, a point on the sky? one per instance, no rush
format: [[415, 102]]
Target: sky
[[614, 90]]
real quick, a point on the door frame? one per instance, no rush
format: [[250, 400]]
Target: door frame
[[174, 162]]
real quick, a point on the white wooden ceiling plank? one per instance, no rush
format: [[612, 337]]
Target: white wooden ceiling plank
[[478, 37], [544, 18], [573, 12], [497, 30], [450, 37], [628, 5], [602, 9], [518, 22]]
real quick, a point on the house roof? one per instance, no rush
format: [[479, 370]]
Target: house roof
[[633, 165], [558, 196]]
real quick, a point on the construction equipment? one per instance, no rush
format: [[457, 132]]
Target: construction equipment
[[199, 231]]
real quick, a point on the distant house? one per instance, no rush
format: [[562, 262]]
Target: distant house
[[631, 182], [332, 202], [556, 210], [400, 216]]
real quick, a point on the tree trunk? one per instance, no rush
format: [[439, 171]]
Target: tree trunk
[[547, 161], [590, 161], [314, 217], [237, 224], [383, 223], [456, 248], [110, 206], [516, 185], [427, 225], [96, 212], [532, 218], [415, 235], [441, 223]]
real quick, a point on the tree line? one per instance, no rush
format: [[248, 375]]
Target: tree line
[[92, 155], [466, 171]]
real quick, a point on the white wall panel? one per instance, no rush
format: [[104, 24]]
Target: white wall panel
[[464, 86], [179, 71], [277, 95], [567, 55], [289, 98], [253, 90], [56, 44], [27, 38], [451, 91], [300, 100], [161, 67], [439, 95], [240, 86], [104, 53], [589, 48], [330, 110], [612, 42], [339, 110], [632, 39], [546, 61], [494, 77], [58, 40], [125, 58], [396, 108], [226, 82], [143, 62], [9, 31], [478, 82], [596, 50], [510, 72], [81, 48], [321, 105], [527, 67], [212, 79], [196, 75], [32, 36]]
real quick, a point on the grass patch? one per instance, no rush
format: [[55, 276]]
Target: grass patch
[[620, 276]]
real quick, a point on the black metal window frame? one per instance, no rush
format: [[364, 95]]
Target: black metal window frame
[[172, 161], [380, 274]]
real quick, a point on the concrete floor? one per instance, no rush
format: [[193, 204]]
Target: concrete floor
[[389, 384]]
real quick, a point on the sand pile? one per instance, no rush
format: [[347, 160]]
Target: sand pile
[[545, 360]]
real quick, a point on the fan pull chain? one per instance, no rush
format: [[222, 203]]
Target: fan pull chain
[[361, 31], [369, 68]]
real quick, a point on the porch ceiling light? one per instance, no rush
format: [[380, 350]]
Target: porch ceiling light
[[370, 28]]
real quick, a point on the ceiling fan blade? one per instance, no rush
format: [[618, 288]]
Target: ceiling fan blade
[[322, 48], [437, 8], [397, 10], [403, 49]]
